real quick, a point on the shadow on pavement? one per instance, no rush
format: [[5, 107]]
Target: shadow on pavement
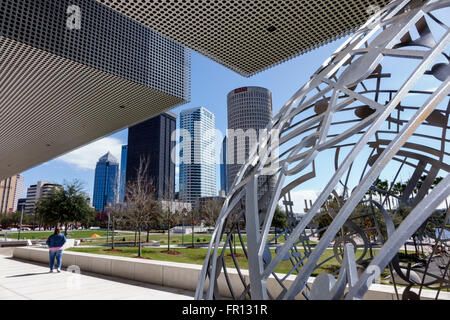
[[28, 274]]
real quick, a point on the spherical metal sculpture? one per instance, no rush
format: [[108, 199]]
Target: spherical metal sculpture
[[379, 106]]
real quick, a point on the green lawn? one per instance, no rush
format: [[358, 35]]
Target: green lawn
[[45, 234], [197, 256], [162, 238], [129, 237]]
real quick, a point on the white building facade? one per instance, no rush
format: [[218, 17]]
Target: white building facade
[[197, 155], [249, 112]]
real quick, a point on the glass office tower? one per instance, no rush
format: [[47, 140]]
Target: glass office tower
[[151, 140], [123, 173], [197, 155], [106, 181]]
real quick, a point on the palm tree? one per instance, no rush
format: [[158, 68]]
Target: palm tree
[[382, 185], [398, 189]]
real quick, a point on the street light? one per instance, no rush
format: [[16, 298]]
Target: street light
[[108, 206], [20, 225], [182, 222]]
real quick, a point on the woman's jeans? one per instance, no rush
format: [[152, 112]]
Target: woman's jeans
[[58, 255]]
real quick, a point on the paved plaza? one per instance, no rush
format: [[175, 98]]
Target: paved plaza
[[30, 281]]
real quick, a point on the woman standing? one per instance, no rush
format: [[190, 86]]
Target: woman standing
[[55, 243]]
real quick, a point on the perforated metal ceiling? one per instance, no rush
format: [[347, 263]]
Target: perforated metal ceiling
[[106, 40], [249, 36], [50, 105], [61, 88]]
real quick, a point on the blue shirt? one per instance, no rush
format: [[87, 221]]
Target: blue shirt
[[56, 240]]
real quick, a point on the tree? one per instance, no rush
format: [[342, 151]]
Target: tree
[[75, 204], [101, 219], [172, 218], [194, 213], [49, 210], [140, 195], [171, 215], [382, 186], [279, 220], [117, 213], [65, 205], [210, 211], [155, 216]]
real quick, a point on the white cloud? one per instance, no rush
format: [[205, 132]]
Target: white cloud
[[86, 157]]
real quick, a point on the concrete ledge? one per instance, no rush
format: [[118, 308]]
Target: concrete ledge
[[183, 275]]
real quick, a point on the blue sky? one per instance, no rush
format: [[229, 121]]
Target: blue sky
[[210, 85]]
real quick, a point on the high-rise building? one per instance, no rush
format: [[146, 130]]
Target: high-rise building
[[11, 189], [197, 155], [223, 167], [249, 111], [20, 186], [151, 141], [106, 182], [36, 191], [123, 173]]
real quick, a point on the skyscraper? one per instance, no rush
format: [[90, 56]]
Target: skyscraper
[[11, 189], [197, 155], [36, 191], [249, 110], [223, 167], [123, 173], [151, 140], [106, 181], [20, 186]]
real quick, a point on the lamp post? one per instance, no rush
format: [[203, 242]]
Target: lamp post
[[182, 222], [182, 231], [20, 225], [193, 230], [107, 213]]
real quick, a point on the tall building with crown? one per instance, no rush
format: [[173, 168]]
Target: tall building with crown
[[106, 182], [249, 112]]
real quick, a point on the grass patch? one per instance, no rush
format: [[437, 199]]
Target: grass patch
[[186, 255], [76, 234]]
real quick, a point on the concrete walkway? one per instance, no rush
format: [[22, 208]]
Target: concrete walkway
[[29, 281]]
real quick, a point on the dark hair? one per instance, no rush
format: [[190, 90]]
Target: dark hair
[[57, 230]]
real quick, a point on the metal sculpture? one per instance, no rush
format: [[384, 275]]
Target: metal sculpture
[[345, 129]]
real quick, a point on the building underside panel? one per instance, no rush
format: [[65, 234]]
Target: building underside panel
[[250, 36], [73, 71], [50, 105]]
